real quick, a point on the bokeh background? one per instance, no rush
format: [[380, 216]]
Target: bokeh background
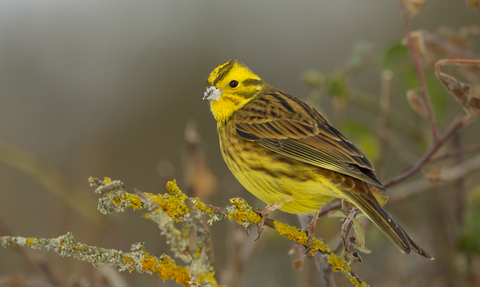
[[108, 88]]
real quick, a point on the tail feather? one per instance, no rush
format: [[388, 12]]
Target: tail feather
[[385, 222]]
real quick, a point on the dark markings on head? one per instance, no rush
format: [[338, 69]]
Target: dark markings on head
[[223, 71], [251, 82]]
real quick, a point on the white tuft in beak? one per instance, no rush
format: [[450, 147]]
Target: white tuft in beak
[[212, 94]]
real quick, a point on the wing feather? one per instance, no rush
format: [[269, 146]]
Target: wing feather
[[286, 125]]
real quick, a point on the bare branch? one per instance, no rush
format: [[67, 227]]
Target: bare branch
[[176, 206], [446, 175], [455, 126], [39, 262], [421, 77], [454, 153], [137, 259], [461, 92], [448, 46]]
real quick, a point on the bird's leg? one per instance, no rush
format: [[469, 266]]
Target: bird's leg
[[347, 206], [264, 213], [310, 230], [349, 255]]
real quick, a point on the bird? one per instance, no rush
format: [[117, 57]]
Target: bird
[[289, 156]]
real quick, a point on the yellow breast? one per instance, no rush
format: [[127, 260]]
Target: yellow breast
[[272, 177]]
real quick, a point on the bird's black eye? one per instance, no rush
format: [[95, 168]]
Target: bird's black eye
[[233, 84]]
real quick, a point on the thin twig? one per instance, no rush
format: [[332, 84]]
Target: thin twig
[[461, 92], [327, 209], [448, 46], [222, 211], [340, 243], [349, 256], [421, 77], [455, 153], [447, 174], [327, 269], [205, 232], [323, 268], [443, 62], [40, 262], [456, 125]]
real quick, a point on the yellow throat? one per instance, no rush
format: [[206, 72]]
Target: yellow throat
[[229, 87]]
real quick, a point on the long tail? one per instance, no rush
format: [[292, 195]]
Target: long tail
[[383, 220]]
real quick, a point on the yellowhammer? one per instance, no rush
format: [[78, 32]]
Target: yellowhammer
[[288, 155]]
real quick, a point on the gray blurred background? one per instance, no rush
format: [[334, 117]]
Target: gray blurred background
[[106, 88]]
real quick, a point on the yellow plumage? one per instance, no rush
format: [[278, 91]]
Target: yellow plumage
[[274, 178], [287, 154]]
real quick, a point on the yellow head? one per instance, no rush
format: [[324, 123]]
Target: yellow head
[[229, 87]]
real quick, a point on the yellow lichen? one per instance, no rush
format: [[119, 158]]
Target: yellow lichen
[[30, 241], [116, 200], [130, 262], [208, 279], [173, 203], [173, 188], [198, 250], [243, 212], [148, 263], [167, 269], [339, 265], [299, 236], [135, 201], [202, 207], [357, 283]]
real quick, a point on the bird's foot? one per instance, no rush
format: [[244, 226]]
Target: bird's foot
[[347, 241], [310, 230], [264, 214], [261, 224]]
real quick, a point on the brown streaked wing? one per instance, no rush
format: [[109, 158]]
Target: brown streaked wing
[[292, 128]]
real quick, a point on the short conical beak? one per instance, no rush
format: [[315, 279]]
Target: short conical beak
[[212, 94]]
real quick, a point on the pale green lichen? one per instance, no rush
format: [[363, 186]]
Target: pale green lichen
[[137, 259]]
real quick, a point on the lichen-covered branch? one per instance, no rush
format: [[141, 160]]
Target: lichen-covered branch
[[165, 210], [454, 127], [137, 259], [178, 208]]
